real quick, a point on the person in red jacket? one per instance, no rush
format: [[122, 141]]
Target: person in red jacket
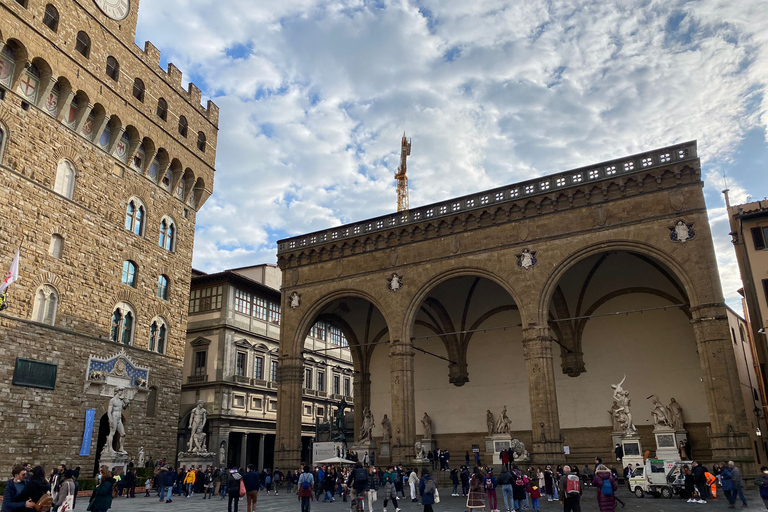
[[606, 489], [535, 493]]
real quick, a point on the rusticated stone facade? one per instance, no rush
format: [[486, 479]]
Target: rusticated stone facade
[[604, 270], [100, 151]]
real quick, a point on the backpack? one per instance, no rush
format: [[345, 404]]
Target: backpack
[[361, 477], [519, 479], [305, 483], [572, 485], [429, 486], [44, 503], [488, 483], [607, 488]]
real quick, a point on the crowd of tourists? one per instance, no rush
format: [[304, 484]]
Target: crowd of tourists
[[361, 486]]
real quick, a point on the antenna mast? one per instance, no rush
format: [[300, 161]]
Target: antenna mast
[[402, 179]]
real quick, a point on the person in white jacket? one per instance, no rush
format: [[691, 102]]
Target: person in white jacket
[[413, 481]]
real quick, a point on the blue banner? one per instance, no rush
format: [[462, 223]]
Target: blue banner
[[85, 449]]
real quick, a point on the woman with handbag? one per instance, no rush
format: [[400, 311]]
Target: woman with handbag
[[36, 489], [428, 490], [101, 499], [65, 498]]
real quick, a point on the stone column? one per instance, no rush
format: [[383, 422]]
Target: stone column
[[65, 100], [403, 404], [545, 420], [261, 450], [243, 451], [290, 377], [361, 386], [727, 416]]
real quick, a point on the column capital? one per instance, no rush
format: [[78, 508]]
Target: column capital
[[708, 312], [401, 349], [537, 342], [290, 369]]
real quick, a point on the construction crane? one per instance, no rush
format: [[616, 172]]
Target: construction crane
[[402, 179]]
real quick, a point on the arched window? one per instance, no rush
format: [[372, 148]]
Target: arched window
[[152, 402], [2, 139], [7, 65], [22, 3], [138, 89], [65, 179], [129, 273], [166, 181], [113, 68], [134, 217], [51, 18], [123, 322], [46, 303], [83, 44], [158, 336], [201, 141], [167, 235], [162, 287], [138, 158], [162, 109], [183, 126], [56, 246]]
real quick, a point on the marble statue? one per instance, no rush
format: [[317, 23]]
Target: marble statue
[[615, 417], [621, 396], [426, 421], [503, 424], [681, 230], [421, 452], [197, 420], [141, 457], [386, 426], [659, 412], [521, 453], [222, 453], [489, 422], [115, 416], [675, 415], [366, 429]]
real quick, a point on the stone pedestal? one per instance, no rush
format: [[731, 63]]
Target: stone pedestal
[[429, 444], [361, 447], [494, 444], [633, 450], [666, 443], [115, 462], [384, 455], [193, 459]]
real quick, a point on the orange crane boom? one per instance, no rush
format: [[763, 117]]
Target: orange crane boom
[[400, 176]]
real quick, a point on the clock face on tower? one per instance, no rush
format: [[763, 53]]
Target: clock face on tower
[[115, 9]]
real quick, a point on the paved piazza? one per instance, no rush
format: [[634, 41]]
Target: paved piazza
[[289, 503]]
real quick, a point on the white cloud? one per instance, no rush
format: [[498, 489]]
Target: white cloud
[[314, 96]]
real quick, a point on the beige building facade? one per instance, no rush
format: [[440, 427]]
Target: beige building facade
[[536, 296], [104, 162], [231, 364]]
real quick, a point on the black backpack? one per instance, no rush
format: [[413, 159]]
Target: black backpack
[[361, 478]]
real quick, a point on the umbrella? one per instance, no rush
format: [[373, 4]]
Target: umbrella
[[335, 460]]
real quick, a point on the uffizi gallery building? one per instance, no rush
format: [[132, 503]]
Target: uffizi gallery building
[[104, 162], [508, 297]]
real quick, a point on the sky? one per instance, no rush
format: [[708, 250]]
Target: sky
[[315, 95]]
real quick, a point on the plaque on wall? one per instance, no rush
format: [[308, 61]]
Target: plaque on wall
[[34, 374], [631, 449], [665, 440]]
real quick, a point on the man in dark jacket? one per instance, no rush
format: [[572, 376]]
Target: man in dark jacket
[[252, 483], [700, 481], [13, 488], [357, 483], [170, 481]]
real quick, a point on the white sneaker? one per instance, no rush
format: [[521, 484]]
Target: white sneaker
[[397, 510], [701, 501]]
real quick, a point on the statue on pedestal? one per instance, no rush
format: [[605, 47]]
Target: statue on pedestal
[[197, 420], [675, 415], [141, 457], [426, 422], [503, 424], [115, 416], [341, 429], [366, 429], [386, 426], [624, 415], [659, 412], [615, 417], [489, 422], [421, 453]]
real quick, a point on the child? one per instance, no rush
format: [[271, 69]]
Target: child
[[535, 493], [147, 486]]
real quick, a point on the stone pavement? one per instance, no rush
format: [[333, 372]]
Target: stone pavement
[[289, 503]]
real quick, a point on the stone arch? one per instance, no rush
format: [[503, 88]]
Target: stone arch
[[651, 251]]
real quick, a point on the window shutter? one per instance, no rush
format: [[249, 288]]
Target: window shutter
[[757, 237]]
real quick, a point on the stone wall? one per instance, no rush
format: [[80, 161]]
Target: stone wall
[[45, 427]]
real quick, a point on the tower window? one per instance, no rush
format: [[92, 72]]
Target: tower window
[[129, 273], [56, 245], [65, 179], [134, 217], [83, 44], [138, 89], [183, 126], [46, 303], [167, 235], [51, 18], [158, 336], [123, 320], [113, 68], [201, 141], [162, 109], [162, 287]]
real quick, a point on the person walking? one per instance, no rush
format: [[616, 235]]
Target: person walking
[[289, 482], [490, 491], [569, 488], [223, 477], [189, 482], [37, 485], [505, 481], [606, 489], [66, 491], [413, 481], [305, 484], [518, 487], [455, 481], [373, 487], [550, 484], [464, 475], [233, 489], [762, 485], [476, 498], [147, 486], [101, 499], [427, 490], [389, 491], [13, 488], [700, 481], [738, 482], [252, 484]]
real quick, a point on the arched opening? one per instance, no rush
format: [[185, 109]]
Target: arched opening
[[617, 313], [101, 440], [467, 335]]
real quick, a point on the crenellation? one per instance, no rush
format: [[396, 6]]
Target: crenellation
[[152, 53], [174, 75], [213, 113], [195, 96]]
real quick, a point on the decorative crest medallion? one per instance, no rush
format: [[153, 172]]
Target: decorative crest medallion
[[681, 232], [527, 259], [295, 300], [394, 283]]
